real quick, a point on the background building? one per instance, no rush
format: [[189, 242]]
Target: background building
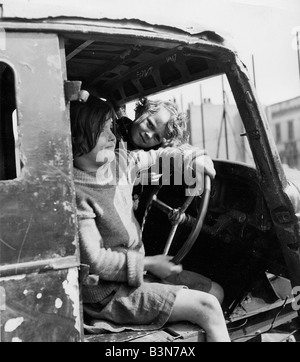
[[222, 128], [284, 118]]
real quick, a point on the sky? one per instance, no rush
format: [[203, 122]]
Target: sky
[[263, 32]]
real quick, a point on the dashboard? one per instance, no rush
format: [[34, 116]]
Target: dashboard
[[236, 193]]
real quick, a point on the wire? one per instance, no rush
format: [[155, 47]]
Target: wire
[[269, 329], [239, 326]]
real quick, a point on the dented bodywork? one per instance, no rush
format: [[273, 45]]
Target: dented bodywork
[[41, 307], [39, 256]]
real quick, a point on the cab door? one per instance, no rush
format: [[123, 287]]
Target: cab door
[[39, 258]]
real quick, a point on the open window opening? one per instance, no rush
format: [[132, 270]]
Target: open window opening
[[10, 163]]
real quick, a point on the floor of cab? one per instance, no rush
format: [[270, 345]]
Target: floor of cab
[[179, 332]]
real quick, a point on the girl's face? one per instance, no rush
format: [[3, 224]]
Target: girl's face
[[104, 150], [149, 131]]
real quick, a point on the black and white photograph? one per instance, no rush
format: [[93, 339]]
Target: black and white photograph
[[150, 173]]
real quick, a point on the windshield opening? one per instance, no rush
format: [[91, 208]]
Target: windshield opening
[[214, 122]]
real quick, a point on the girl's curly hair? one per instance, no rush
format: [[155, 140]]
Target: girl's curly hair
[[177, 125]]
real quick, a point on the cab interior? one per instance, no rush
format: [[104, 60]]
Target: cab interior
[[237, 246]]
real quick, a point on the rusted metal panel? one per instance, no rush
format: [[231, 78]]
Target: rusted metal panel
[[36, 222], [41, 307], [37, 215], [39, 258]]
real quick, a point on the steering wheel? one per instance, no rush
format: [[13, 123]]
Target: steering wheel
[[178, 217]]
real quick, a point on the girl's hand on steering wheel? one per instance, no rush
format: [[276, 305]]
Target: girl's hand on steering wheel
[[161, 266]]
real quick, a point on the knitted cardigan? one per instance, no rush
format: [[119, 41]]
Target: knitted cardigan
[[109, 234]]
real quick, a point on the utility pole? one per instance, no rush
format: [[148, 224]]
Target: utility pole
[[224, 118], [298, 51], [223, 123], [202, 117]]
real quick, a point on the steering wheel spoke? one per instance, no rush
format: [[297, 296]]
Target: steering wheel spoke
[[161, 205], [170, 239], [178, 216]]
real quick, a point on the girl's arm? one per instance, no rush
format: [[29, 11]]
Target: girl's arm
[[120, 265]]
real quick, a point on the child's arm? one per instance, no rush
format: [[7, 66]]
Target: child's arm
[[185, 159], [120, 265]]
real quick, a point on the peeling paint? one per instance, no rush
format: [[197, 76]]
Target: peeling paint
[[16, 339], [13, 324], [70, 286], [74, 242], [14, 277], [59, 156], [58, 303], [67, 206]]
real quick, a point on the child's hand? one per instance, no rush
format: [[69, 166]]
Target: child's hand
[[161, 266], [202, 165]]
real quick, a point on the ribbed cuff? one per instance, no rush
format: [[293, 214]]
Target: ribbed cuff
[[135, 267]]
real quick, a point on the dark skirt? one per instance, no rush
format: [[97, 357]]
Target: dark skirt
[[147, 307]]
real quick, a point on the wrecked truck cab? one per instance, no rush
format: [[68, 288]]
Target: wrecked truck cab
[[249, 241]]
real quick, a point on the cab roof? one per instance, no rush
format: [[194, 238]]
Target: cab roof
[[122, 53], [139, 10]]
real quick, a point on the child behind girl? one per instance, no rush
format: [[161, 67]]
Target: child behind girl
[[157, 123]]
